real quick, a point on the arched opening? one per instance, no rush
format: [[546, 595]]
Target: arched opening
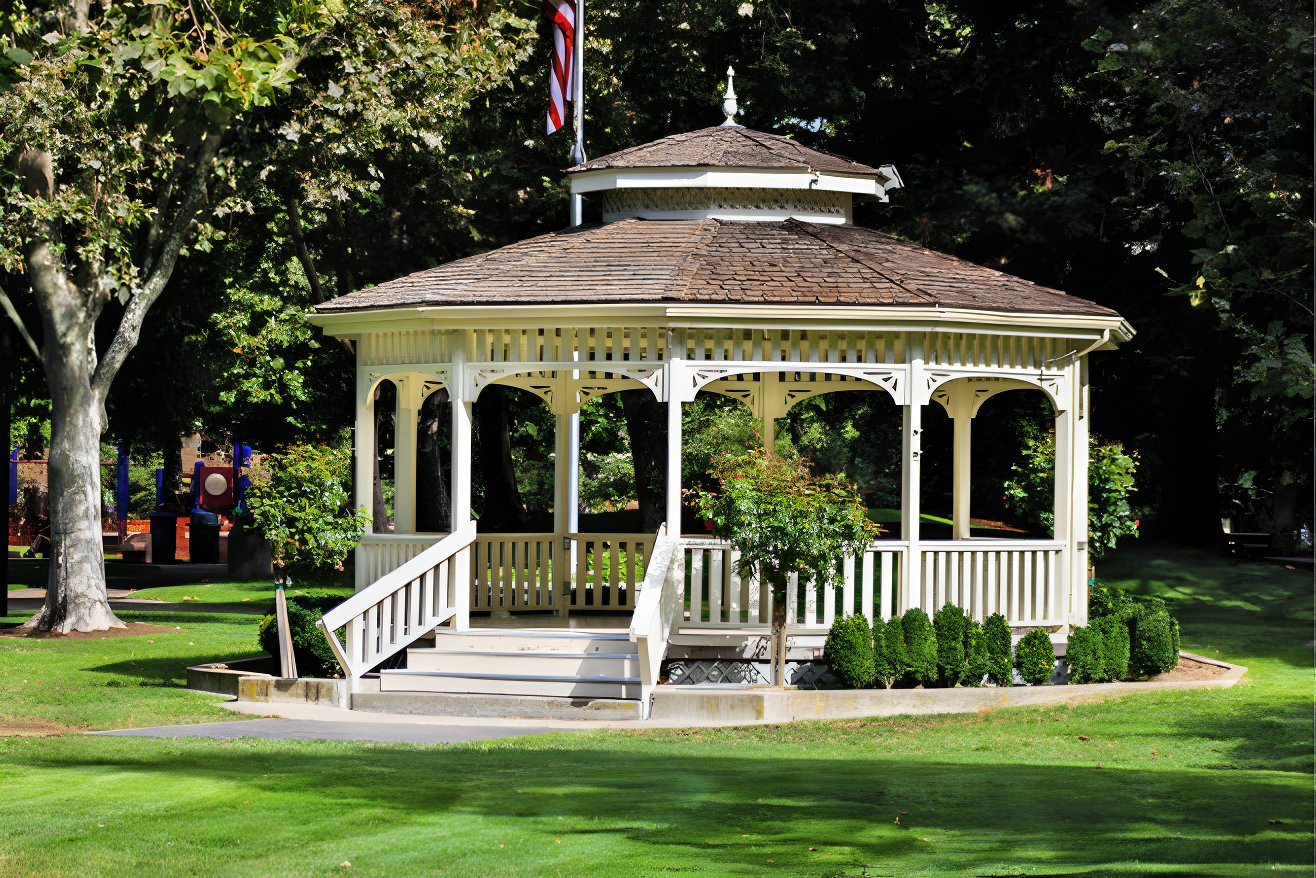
[[384, 408]]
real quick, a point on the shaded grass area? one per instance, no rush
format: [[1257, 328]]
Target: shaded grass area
[[1199, 783]]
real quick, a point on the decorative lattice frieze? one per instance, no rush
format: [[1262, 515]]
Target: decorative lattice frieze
[[691, 199]]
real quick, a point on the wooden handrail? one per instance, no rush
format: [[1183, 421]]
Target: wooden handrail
[[657, 610]]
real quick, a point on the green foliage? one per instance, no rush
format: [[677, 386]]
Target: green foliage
[[920, 647], [1000, 654], [1030, 491], [607, 481], [300, 503], [949, 625], [1152, 644], [783, 519], [1034, 657], [888, 650], [1114, 633], [849, 651], [977, 659], [311, 650], [1085, 655]]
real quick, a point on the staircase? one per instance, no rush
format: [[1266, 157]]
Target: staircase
[[540, 662]]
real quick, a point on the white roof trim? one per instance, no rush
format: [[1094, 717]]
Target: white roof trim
[[585, 182]]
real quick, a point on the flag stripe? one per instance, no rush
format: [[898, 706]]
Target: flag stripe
[[560, 82]]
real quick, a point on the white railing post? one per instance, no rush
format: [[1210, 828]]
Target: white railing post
[[459, 392], [656, 611], [911, 447]]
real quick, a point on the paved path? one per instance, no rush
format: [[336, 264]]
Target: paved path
[[334, 730]]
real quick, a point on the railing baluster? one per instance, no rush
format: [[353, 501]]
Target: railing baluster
[[866, 587]]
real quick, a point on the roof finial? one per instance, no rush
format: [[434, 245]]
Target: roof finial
[[729, 105]]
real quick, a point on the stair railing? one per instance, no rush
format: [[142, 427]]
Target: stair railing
[[402, 606], [656, 611]]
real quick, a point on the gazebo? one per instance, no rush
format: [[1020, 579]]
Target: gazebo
[[727, 262]]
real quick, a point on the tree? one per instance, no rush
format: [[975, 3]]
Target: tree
[[139, 130]]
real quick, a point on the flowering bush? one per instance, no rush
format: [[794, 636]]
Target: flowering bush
[[299, 502]]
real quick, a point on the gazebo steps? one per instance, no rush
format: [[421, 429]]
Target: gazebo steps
[[497, 706], [522, 661]]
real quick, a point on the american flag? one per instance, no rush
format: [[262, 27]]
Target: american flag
[[560, 84]]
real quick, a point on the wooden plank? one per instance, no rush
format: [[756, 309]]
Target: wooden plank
[[716, 585], [810, 602], [695, 609], [889, 562], [848, 607], [866, 587]]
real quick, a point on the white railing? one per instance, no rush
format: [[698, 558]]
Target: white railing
[[717, 596], [513, 571], [1023, 580], [609, 570], [657, 610], [517, 572], [377, 555], [403, 605]]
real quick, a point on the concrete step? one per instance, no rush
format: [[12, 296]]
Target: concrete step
[[562, 685], [557, 664], [533, 640], [496, 706]]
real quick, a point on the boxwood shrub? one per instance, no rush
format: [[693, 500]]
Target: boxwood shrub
[[309, 647], [1086, 656], [849, 651], [1115, 643], [888, 650], [1035, 657], [1000, 658], [920, 647], [948, 624], [977, 663], [1152, 644]]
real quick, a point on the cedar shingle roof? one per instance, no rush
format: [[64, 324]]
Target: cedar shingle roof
[[726, 147], [717, 261]]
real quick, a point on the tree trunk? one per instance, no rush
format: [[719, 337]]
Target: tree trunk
[[432, 501], [646, 427], [778, 633], [171, 470], [75, 590], [503, 506], [1284, 514], [6, 427]]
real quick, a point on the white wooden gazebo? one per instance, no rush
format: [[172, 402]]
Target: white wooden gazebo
[[727, 262]]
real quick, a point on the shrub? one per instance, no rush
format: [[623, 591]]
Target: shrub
[[889, 650], [849, 651], [1035, 658], [948, 623], [1086, 656], [1105, 600], [977, 663], [920, 647], [1152, 649], [1000, 656], [311, 650], [1115, 645]]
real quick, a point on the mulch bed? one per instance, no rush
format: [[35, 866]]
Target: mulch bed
[[1190, 669], [33, 728], [134, 629]]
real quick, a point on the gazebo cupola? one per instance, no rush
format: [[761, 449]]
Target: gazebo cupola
[[727, 262], [729, 172]]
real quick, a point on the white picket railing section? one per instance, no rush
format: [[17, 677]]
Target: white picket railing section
[[378, 555], [1023, 580], [658, 609], [516, 571], [717, 596], [404, 604]]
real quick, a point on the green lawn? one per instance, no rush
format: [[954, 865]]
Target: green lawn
[[1184, 784], [259, 593]]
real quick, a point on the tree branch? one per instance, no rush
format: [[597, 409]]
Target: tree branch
[[299, 247], [171, 242], [19, 324]]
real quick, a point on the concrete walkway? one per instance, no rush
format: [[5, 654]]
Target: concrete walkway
[[29, 600], [280, 729]]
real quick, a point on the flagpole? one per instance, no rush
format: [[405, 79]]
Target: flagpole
[[578, 106]]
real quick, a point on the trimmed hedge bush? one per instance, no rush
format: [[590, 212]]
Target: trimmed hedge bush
[[1115, 642], [949, 627], [977, 663], [1035, 657], [1000, 657], [309, 647], [920, 647], [849, 651], [888, 651], [1086, 656], [1152, 644]]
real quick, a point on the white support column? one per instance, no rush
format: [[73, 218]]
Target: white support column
[[673, 389], [461, 474], [364, 480], [409, 396], [562, 517], [1079, 550], [911, 453], [961, 412], [768, 393]]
